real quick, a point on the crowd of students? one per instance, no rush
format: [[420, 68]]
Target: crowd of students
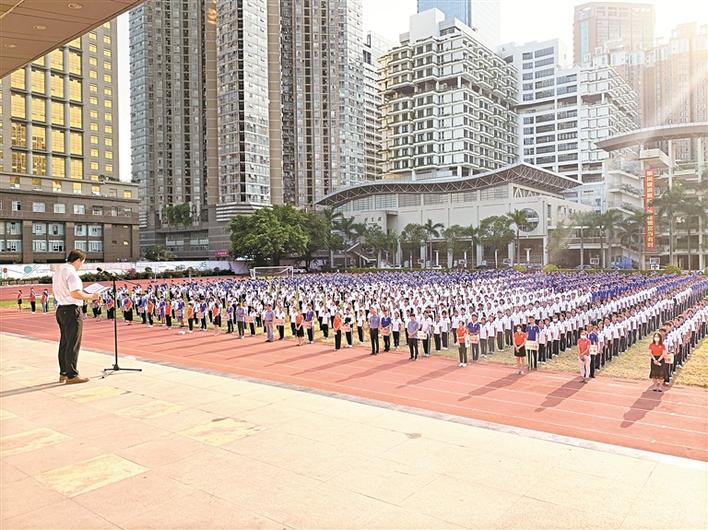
[[537, 316]]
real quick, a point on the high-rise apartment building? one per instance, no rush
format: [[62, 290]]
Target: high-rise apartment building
[[598, 23], [322, 98], [60, 112], [675, 84], [480, 15], [242, 107], [669, 79], [563, 111], [375, 46], [240, 104], [448, 102], [173, 122]]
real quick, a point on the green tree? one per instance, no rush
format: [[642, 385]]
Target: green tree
[[453, 236], [331, 217], [668, 206], [520, 220], [269, 234], [318, 234], [411, 238], [375, 239], [158, 253], [168, 214], [345, 226], [496, 233], [583, 221], [432, 230], [610, 221], [631, 232], [473, 233]]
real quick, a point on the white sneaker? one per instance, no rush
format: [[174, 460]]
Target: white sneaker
[[460, 364], [464, 364]]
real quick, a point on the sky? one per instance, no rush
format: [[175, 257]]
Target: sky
[[521, 21]]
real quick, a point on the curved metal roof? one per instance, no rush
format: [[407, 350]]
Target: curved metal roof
[[655, 134], [521, 173]]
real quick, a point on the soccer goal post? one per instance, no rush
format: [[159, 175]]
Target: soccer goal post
[[272, 272]]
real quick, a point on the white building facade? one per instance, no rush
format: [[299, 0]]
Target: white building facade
[[564, 111], [448, 103]]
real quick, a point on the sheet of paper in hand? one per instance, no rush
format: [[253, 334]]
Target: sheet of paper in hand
[[96, 288]]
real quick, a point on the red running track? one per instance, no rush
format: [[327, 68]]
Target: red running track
[[606, 410]]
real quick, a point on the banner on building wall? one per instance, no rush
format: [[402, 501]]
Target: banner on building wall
[[24, 271], [649, 194]]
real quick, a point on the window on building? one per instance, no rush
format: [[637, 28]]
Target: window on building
[[95, 189], [77, 169], [74, 62], [17, 79], [19, 162], [76, 117], [81, 245], [93, 100], [18, 106], [109, 168], [94, 152], [108, 91], [39, 229], [16, 206], [56, 186], [95, 231], [13, 228], [39, 207], [56, 59], [39, 78], [108, 142], [58, 141], [39, 108], [59, 208], [97, 210], [109, 155], [75, 90], [93, 126], [39, 245], [127, 194], [36, 183], [59, 166], [57, 85], [39, 164], [79, 209], [56, 245], [128, 212], [95, 246], [76, 142], [39, 138], [14, 245], [18, 134], [108, 116], [92, 48], [80, 230], [57, 113]]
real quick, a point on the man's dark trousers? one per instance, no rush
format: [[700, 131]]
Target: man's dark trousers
[[71, 325]]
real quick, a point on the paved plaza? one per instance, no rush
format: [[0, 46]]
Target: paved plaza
[[183, 448]]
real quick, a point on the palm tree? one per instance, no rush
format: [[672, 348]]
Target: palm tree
[[345, 226], [520, 220], [432, 230], [473, 234], [331, 216], [583, 220], [611, 219], [452, 235], [668, 205], [631, 226]]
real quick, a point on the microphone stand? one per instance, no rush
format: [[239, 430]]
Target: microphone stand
[[116, 368]]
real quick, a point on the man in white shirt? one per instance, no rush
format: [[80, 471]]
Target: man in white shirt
[[68, 291]]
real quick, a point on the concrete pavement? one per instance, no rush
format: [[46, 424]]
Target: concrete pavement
[[177, 448]]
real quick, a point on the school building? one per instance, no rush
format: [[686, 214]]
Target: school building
[[42, 218]]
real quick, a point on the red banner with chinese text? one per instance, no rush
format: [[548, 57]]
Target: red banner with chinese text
[[649, 195]]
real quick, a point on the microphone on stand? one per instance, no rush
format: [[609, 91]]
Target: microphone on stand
[[99, 269]]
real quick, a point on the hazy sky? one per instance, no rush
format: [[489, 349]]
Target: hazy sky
[[521, 21]]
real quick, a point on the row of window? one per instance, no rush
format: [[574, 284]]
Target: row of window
[[51, 245], [79, 209]]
